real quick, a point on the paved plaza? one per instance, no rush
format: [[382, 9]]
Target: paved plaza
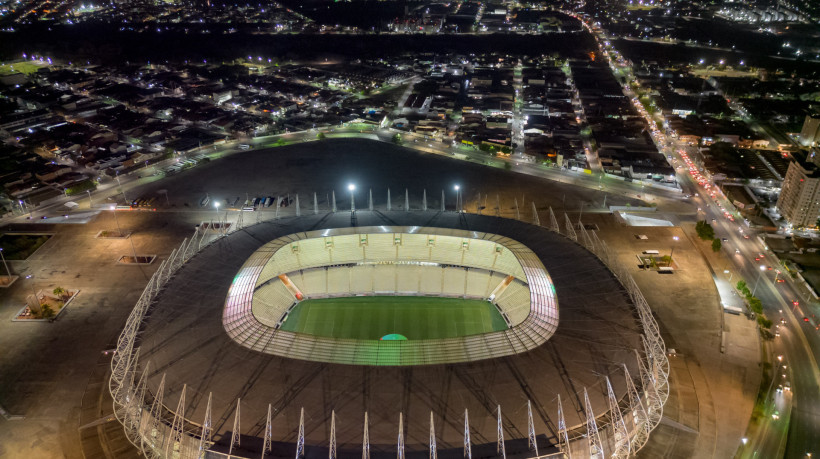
[[53, 375]]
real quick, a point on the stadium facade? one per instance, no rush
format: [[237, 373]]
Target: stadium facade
[[203, 368]]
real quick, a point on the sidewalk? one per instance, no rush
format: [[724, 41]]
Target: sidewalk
[[714, 373]]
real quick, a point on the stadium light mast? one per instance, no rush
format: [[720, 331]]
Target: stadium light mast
[[351, 187], [458, 206]]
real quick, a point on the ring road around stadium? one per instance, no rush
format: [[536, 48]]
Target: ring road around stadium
[[277, 338]]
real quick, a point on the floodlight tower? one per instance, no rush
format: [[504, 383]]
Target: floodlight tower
[[457, 188], [351, 187]]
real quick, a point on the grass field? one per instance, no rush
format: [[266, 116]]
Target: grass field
[[21, 67], [373, 317]]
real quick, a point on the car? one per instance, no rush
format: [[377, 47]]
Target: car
[[725, 239], [780, 281], [783, 321], [745, 236], [805, 319], [795, 302]]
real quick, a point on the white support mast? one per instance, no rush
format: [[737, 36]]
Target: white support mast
[[389, 203], [640, 421], [268, 440], [433, 451], [400, 441], [499, 447], [332, 449], [563, 438], [620, 436], [424, 200], [468, 449], [596, 447], [174, 446], [365, 439], [154, 431], [205, 436], [570, 229], [535, 220], [300, 439], [532, 442], [235, 432]]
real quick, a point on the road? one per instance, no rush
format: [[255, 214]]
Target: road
[[799, 341]]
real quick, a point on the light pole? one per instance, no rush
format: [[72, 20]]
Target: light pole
[[216, 210], [672, 252], [90, 203], [116, 220], [759, 275], [122, 190], [8, 273], [458, 207], [33, 290], [351, 187]]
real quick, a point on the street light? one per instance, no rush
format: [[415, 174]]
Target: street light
[[672, 252], [89, 198], [759, 275], [8, 273], [122, 190], [458, 207], [351, 187], [117, 220], [33, 290]]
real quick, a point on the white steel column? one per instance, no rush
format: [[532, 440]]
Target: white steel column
[[596, 447], [499, 447], [563, 438], [531, 439], [235, 439], [300, 439], [365, 439], [332, 447], [433, 452], [268, 440], [620, 435], [468, 449], [400, 441], [205, 436]]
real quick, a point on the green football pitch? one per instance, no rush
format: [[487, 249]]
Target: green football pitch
[[414, 317]]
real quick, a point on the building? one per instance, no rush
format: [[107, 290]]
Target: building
[[799, 201], [810, 134]]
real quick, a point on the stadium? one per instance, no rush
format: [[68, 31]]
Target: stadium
[[401, 334]]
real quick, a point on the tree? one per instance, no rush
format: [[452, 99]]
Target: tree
[[507, 166], [321, 136], [756, 305], [705, 230], [396, 139], [46, 311], [741, 284], [59, 291], [279, 142], [716, 245]]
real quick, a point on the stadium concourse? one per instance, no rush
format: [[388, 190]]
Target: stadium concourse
[[184, 350]]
